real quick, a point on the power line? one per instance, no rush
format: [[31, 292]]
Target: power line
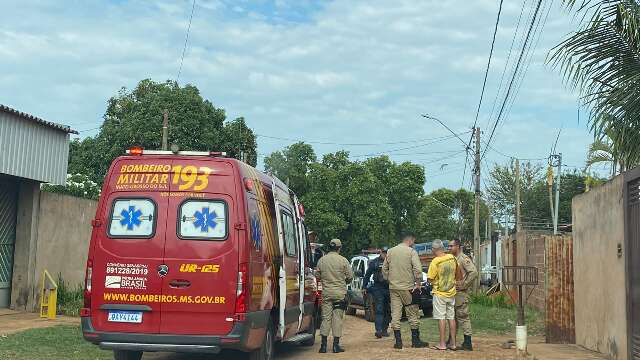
[[506, 64], [486, 73], [410, 147], [186, 40], [446, 127], [515, 73], [342, 144]]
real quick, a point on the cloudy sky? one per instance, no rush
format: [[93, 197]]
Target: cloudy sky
[[327, 72]]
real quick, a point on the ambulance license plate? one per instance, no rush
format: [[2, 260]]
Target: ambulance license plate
[[125, 316]]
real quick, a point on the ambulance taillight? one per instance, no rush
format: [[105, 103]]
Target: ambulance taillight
[[242, 290], [86, 310]]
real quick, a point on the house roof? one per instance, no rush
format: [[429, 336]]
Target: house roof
[[40, 121]]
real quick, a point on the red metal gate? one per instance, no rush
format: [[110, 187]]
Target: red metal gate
[[559, 305]]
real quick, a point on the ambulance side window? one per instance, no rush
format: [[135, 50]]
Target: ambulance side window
[[132, 218], [203, 220], [290, 238]]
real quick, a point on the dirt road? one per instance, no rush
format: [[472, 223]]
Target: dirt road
[[360, 344]]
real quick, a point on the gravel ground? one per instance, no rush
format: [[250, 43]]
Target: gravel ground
[[360, 344]]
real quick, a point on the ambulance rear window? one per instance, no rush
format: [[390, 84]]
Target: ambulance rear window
[[203, 220], [132, 218]]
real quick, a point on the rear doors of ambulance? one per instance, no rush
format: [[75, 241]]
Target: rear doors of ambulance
[[167, 259], [201, 249], [128, 254]]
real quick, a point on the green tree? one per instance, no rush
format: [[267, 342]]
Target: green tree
[[403, 185], [291, 165], [134, 118]]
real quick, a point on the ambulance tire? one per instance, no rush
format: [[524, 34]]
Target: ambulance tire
[[127, 355], [311, 330], [266, 351]]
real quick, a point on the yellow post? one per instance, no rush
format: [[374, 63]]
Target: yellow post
[[48, 297]]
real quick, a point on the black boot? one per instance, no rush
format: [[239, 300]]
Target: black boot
[[385, 333], [415, 339], [398, 335], [466, 345], [378, 335], [336, 345], [323, 344]]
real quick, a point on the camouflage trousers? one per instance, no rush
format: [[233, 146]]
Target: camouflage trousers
[[400, 299], [462, 312], [331, 319]]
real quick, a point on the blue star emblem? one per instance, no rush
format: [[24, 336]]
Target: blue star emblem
[[204, 219], [256, 235], [130, 217]]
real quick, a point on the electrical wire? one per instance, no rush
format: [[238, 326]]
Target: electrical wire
[[518, 63], [186, 40], [342, 144], [410, 147], [486, 73]]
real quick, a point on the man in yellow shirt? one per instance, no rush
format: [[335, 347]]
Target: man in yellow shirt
[[442, 276]]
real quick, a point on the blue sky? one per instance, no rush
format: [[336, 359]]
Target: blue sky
[[327, 71]]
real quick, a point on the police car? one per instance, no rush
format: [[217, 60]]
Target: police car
[[356, 299]]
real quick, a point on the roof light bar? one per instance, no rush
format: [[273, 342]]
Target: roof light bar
[[137, 151]]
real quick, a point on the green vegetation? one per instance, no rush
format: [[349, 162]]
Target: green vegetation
[[134, 118], [369, 203], [489, 316], [70, 298], [601, 60], [54, 343]]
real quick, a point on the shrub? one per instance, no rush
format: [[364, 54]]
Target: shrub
[[70, 298]]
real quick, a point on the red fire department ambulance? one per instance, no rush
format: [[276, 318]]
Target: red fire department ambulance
[[194, 252]]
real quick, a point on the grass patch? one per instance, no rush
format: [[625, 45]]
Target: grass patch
[[488, 317], [70, 298], [54, 343]]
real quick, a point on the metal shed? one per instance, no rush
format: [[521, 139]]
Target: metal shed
[[32, 151]]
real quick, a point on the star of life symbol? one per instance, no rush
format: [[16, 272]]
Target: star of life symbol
[[131, 217], [205, 220]]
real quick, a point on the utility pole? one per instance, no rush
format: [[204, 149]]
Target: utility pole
[[476, 224], [165, 129], [555, 225], [518, 224]]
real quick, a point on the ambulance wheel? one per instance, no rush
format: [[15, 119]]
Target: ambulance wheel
[[311, 330], [268, 346], [127, 355]]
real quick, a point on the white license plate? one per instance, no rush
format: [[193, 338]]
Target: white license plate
[[125, 316]]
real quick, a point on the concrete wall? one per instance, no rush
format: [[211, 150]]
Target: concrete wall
[[599, 274], [56, 239], [64, 231], [24, 253]]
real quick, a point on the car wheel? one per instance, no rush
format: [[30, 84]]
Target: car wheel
[[311, 330], [370, 309], [268, 346], [350, 311], [127, 355]]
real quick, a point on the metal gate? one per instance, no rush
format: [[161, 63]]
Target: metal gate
[[633, 264], [8, 200], [559, 305]]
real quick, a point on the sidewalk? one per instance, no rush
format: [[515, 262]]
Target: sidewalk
[[14, 321], [542, 351]]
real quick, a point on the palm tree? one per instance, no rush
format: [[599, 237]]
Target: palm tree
[[602, 60], [601, 151]]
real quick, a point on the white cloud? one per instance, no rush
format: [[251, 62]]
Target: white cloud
[[351, 72]]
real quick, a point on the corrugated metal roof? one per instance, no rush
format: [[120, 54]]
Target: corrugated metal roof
[[26, 116], [32, 151]]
